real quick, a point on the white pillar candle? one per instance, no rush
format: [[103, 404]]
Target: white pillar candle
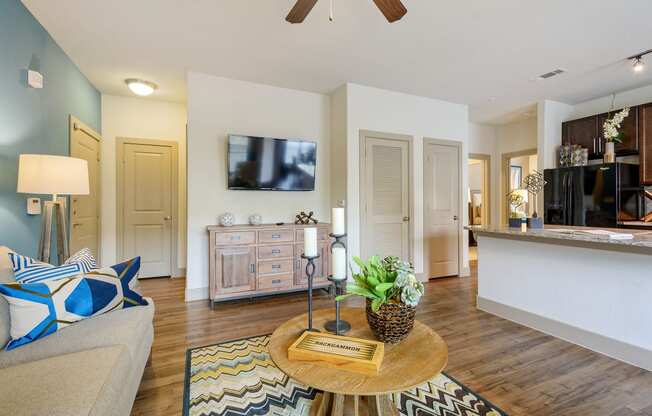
[[339, 263], [338, 221], [310, 241]]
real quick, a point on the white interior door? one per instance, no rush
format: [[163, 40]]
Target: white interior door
[[442, 209], [148, 207], [386, 189], [85, 209]]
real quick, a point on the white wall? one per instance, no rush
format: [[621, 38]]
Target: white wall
[[483, 139], [636, 96], [517, 136], [143, 119], [219, 106], [338, 172], [391, 112]]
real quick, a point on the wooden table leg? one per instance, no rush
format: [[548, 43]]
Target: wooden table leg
[[338, 405], [322, 408], [381, 406]]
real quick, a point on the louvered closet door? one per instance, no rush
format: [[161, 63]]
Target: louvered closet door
[[386, 214]]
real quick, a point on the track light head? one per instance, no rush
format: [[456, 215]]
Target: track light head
[[639, 65]]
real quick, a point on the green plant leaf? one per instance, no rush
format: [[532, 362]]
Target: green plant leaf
[[384, 287], [359, 291], [376, 304], [360, 263]]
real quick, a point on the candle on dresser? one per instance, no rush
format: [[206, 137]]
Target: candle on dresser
[[310, 242], [338, 221], [339, 263]]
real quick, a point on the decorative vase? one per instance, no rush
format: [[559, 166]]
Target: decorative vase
[[515, 222], [255, 219], [227, 219], [565, 155], [609, 152], [392, 323]]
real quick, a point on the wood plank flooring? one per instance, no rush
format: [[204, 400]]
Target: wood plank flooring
[[520, 370]]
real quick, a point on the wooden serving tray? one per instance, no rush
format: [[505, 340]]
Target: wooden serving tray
[[334, 351]]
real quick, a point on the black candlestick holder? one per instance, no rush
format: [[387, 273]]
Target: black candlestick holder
[[338, 327], [310, 272], [338, 240]]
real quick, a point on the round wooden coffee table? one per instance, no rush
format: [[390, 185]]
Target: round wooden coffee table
[[419, 358]]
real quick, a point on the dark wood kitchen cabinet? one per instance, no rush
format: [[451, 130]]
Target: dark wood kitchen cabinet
[[645, 141], [583, 132], [629, 128]]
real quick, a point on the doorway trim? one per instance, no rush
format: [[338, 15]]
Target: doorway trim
[[461, 270], [504, 180], [75, 124], [486, 176], [370, 134], [120, 154]]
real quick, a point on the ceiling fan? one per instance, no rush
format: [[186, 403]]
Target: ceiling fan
[[392, 9]]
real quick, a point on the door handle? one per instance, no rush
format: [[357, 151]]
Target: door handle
[[406, 219], [168, 218]]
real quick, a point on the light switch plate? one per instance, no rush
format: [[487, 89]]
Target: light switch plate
[[34, 206]]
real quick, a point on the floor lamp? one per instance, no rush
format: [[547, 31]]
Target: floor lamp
[[53, 175]]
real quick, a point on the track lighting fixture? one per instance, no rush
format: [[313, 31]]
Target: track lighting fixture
[[639, 65]]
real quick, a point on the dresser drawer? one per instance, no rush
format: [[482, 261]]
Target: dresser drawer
[[279, 281], [322, 234], [274, 267], [275, 236], [275, 252], [236, 237]]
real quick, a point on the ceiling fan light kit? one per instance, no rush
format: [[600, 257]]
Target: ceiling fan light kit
[[393, 10]]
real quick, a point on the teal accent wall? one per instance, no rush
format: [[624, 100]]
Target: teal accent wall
[[31, 120]]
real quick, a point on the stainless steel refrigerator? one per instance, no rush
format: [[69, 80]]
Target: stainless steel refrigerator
[[594, 196]]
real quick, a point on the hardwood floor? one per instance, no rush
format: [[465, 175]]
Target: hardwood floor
[[520, 370]]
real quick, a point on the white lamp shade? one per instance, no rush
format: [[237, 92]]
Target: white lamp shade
[[48, 174]]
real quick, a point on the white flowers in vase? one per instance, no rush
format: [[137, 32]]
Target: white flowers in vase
[[611, 126]]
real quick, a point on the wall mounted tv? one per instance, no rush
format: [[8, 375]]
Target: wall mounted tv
[[269, 164]]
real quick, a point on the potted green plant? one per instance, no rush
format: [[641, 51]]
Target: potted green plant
[[392, 293]]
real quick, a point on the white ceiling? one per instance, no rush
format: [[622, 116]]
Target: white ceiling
[[484, 53]]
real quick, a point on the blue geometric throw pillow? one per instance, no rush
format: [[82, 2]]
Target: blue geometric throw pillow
[[29, 270], [40, 309]]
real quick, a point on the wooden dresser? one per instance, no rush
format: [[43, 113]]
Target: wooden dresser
[[258, 260]]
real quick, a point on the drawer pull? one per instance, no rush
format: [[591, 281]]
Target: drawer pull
[[252, 268], [276, 236], [276, 251], [276, 281], [235, 237], [276, 266], [297, 264]]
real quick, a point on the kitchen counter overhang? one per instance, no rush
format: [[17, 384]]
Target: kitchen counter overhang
[[640, 244]]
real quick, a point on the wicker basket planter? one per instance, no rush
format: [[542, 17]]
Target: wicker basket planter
[[392, 323]]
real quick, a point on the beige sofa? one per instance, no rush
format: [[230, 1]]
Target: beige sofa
[[92, 367]]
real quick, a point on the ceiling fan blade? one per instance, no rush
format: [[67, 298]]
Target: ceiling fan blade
[[300, 11], [392, 9]]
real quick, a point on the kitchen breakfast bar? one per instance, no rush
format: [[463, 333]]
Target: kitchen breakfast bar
[[592, 291]]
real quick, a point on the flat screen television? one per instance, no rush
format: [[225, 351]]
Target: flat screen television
[[269, 164]]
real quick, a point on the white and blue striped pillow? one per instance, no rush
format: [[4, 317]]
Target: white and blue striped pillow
[[29, 270]]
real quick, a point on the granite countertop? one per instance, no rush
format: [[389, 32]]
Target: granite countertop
[[641, 243]]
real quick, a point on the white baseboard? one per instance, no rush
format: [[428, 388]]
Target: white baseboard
[[180, 272], [196, 293], [613, 348]]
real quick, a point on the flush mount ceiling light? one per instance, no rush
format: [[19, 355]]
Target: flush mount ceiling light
[[140, 87]]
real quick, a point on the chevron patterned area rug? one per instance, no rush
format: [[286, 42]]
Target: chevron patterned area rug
[[238, 378]]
